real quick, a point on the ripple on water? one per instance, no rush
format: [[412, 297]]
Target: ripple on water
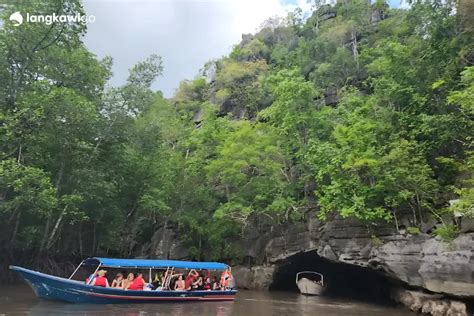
[[20, 300]]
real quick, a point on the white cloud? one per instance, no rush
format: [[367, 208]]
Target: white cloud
[[404, 4], [185, 33]]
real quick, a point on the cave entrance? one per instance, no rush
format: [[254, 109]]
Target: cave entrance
[[342, 280]]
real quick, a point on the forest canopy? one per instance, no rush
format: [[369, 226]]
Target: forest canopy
[[356, 110]]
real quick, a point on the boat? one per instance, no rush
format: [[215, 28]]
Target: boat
[[310, 282], [52, 287]]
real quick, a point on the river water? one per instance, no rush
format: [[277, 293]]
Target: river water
[[20, 300]]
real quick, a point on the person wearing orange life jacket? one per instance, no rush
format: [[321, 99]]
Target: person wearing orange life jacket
[[138, 283], [100, 279]]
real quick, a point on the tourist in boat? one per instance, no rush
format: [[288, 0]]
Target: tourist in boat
[[207, 286], [100, 279], [179, 285], [69, 290], [226, 281], [158, 280], [198, 283], [230, 282], [126, 283], [138, 283], [169, 280], [214, 284], [192, 276], [118, 281]]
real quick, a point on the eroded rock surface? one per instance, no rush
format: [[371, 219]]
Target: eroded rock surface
[[420, 260], [417, 260], [258, 277], [432, 304]]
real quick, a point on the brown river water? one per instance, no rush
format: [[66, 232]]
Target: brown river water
[[20, 300]]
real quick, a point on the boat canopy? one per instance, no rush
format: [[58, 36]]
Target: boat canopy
[[150, 263]]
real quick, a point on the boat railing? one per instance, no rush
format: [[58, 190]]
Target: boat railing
[[310, 272], [80, 264], [148, 265], [167, 279]]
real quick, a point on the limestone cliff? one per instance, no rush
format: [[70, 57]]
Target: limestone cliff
[[420, 260], [416, 261]]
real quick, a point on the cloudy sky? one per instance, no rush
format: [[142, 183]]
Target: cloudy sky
[[186, 33]]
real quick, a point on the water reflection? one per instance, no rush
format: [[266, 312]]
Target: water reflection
[[160, 309], [20, 300]]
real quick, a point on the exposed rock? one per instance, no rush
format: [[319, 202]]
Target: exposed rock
[[467, 225], [418, 260], [246, 38], [457, 309], [197, 116], [327, 252], [431, 263], [258, 277], [432, 304], [378, 14], [165, 245], [326, 12], [330, 96]]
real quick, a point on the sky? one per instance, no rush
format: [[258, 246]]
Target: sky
[[185, 33]]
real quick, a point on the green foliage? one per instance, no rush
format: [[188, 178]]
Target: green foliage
[[376, 242], [27, 197], [253, 50], [191, 93], [240, 87], [465, 204], [364, 169], [464, 98], [28, 189], [338, 113], [246, 172], [413, 230], [447, 232]]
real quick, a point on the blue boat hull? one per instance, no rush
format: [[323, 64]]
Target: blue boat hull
[[55, 288]]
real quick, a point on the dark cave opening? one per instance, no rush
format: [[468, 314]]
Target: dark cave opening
[[342, 280]]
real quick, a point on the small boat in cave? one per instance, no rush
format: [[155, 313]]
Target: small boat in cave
[[310, 282], [67, 289]]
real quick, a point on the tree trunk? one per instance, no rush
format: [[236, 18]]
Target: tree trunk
[[396, 221], [80, 240], [45, 235], [94, 238], [414, 213], [418, 205], [355, 52], [227, 193], [56, 227], [19, 154], [15, 230], [49, 221]]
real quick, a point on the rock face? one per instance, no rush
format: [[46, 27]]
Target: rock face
[[428, 303], [258, 277], [431, 263], [165, 245], [419, 261]]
